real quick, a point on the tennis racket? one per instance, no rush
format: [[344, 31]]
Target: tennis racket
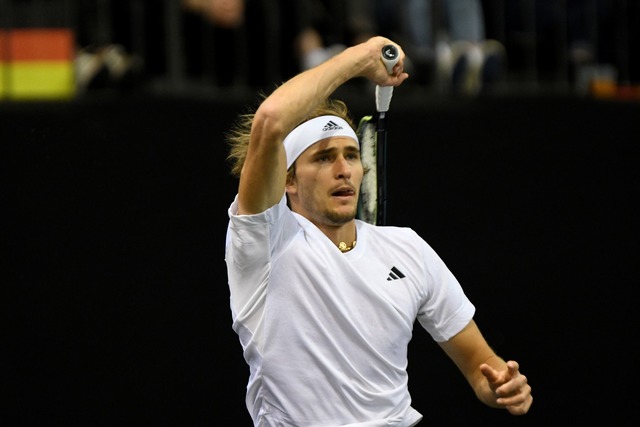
[[372, 133]]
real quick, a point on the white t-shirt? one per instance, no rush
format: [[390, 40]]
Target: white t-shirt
[[325, 333]]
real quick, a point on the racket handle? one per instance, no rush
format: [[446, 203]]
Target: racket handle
[[389, 56], [383, 98]]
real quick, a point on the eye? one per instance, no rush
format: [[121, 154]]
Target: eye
[[352, 156]]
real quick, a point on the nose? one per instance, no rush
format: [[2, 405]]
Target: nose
[[343, 168]]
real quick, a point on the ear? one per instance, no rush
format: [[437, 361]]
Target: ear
[[291, 187]]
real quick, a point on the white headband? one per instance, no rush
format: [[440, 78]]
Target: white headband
[[312, 131]]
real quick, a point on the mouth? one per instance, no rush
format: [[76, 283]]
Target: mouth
[[344, 192]]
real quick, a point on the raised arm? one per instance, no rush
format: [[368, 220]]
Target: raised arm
[[263, 177], [496, 383]]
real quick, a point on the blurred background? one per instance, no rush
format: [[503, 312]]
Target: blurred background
[[205, 46], [513, 150]]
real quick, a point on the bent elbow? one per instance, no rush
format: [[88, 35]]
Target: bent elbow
[[269, 124]]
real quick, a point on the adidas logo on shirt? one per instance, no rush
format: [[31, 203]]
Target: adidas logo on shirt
[[331, 126], [395, 274]]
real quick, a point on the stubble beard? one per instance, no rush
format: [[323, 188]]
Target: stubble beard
[[338, 218]]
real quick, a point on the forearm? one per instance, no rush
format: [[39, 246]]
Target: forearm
[[296, 99], [469, 351]]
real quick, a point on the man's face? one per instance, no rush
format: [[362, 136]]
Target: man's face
[[327, 182]]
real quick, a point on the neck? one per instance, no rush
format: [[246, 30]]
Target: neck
[[344, 233], [344, 236]]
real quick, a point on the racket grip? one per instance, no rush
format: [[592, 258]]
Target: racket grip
[[383, 98], [389, 56]]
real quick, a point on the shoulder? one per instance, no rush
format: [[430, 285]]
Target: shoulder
[[393, 236], [389, 230]]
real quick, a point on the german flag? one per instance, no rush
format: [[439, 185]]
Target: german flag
[[37, 63]]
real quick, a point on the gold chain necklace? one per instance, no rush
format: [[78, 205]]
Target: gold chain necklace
[[346, 248]]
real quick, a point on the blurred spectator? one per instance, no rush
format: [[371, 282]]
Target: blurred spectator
[[103, 56], [259, 43], [573, 42], [235, 42], [445, 39], [326, 27], [222, 13], [107, 66], [288, 36], [447, 44]]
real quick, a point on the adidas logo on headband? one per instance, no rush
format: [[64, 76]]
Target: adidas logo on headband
[[331, 125]]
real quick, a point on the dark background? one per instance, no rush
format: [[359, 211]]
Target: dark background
[[115, 282]]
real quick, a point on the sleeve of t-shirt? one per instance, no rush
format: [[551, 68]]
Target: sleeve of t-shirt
[[446, 309], [251, 242]]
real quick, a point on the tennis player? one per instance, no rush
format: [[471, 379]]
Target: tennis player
[[323, 303]]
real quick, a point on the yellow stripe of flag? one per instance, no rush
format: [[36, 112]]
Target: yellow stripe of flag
[[39, 80]]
